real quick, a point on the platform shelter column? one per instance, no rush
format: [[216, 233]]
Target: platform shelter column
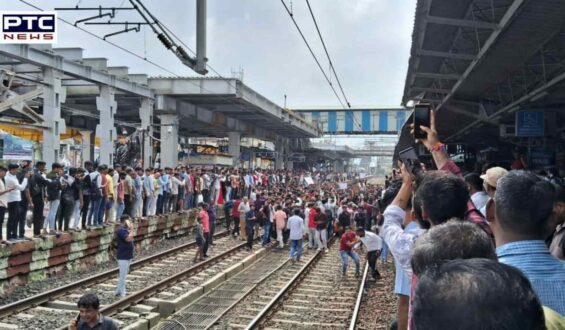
[[53, 95], [146, 116], [105, 130], [169, 140], [234, 147]]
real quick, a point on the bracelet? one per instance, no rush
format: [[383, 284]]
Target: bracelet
[[438, 147]]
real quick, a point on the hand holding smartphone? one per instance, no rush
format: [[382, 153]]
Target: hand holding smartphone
[[421, 118]]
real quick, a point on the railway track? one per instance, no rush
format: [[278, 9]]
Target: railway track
[[317, 297], [275, 293], [151, 278]]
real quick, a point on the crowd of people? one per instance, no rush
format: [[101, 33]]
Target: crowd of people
[[471, 250], [475, 250], [94, 196]]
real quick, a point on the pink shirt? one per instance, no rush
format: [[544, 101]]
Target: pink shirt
[[205, 221], [280, 217]]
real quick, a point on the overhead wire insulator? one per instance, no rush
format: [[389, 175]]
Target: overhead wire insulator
[[183, 55], [165, 41]]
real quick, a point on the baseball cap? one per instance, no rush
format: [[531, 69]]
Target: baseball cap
[[493, 174]]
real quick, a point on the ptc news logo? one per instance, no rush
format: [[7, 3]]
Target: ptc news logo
[[28, 27]]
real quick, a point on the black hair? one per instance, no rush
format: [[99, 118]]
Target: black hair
[[2, 168], [89, 301], [88, 163], [476, 294], [475, 181], [559, 192], [523, 202], [124, 217], [452, 240], [40, 163], [72, 171], [296, 211], [390, 193], [443, 195], [279, 207], [13, 166]]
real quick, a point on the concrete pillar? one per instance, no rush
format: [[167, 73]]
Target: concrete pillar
[[280, 149], [339, 166], [169, 140], [234, 147], [105, 130], [87, 142], [53, 95], [146, 116]]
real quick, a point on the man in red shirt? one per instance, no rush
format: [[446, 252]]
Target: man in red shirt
[[348, 239], [205, 222], [235, 216]]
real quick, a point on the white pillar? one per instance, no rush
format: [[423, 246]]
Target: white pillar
[[86, 137], [105, 130], [53, 95], [234, 148], [169, 140], [146, 116]]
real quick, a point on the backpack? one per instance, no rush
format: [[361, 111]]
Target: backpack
[[93, 188]]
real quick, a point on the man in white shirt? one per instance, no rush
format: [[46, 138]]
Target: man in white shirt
[[478, 195], [13, 199], [373, 245], [3, 199], [295, 225]]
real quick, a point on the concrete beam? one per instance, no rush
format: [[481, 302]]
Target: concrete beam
[[456, 56], [461, 22], [434, 75], [25, 53]]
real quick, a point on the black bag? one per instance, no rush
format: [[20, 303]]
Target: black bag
[[93, 189]]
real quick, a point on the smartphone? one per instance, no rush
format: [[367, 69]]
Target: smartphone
[[410, 159], [421, 118]]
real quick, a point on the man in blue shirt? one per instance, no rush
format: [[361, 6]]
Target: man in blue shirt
[[524, 203], [250, 218], [124, 253]]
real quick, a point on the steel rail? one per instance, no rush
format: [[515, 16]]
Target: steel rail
[[277, 299], [357, 309], [47, 296]]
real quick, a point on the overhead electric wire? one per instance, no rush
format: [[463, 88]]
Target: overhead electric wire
[[332, 68], [137, 55], [327, 53], [312, 52]]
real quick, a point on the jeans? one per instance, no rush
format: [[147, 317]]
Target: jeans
[[123, 265], [21, 220], [249, 231], [2, 212], [228, 194], [75, 221], [322, 238], [160, 199], [136, 206], [295, 249], [120, 210], [38, 204], [13, 210], [50, 220], [212, 231], [372, 260], [66, 208], [311, 238], [384, 252], [84, 210], [101, 211], [93, 212], [205, 245], [344, 254], [266, 233]]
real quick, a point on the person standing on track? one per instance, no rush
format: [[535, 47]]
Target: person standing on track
[[243, 208], [250, 218], [280, 219], [199, 238], [348, 239], [296, 226], [205, 228], [374, 245], [125, 252]]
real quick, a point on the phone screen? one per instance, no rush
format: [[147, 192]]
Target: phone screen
[[421, 118], [410, 159]]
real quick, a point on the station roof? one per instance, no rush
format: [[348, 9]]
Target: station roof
[[479, 61]]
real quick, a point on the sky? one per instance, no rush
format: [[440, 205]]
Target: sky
[[368, 41]]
